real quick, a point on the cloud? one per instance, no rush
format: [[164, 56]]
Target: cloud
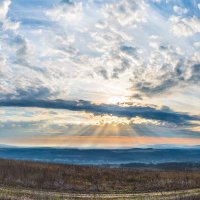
[[172, 69], [147, 112], [179, 10], [185, 26], [66, 12], [102, 71], [80, 49], [4, 6], [181, 75], [7, 24], [127, 13]]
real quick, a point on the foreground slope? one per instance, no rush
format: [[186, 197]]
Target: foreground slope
[[93, 180]]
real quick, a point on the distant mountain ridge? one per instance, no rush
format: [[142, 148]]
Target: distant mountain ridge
[[158, 146], [102, 156], [6, 146]]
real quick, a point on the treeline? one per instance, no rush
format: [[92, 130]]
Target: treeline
[[82, 179], [174, 166]]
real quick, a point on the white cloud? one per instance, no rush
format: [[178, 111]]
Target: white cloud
[[7, 24], [66, 13], [180, 10], [156, 1], [197, 44], [126, 12], [4, 6], [185, 26]]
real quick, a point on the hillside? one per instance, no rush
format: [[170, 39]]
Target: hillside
[[78, 179]]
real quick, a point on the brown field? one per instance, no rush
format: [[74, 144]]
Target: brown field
[[32, 180]]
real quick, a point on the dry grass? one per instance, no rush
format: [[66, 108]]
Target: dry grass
[[80, 179]]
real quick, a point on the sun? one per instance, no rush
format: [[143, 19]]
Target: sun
[[115, 100]]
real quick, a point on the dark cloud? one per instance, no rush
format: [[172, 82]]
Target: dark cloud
[[125, 61], [21, 56], [184, 74], [136, 96], [117, 71], [27, 93], [67, 2], [147, 88], [41, 92], [146, 112], [129, 50], [195, 77], [103, 72]]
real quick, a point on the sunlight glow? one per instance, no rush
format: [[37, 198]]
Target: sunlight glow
[[115, 100]]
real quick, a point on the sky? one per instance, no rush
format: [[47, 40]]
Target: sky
[[100, 73]]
